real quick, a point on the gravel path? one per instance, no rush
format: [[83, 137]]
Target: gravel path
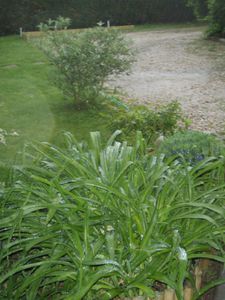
[[179, 65]]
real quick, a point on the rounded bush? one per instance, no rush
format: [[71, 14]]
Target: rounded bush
[[191, 146]]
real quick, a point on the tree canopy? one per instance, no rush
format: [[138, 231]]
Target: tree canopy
[[214, 11], [86, 13]]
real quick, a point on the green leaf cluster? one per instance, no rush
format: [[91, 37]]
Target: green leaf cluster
[[151, 122], [214, 11], [192, 146], [216, 18], [107, 220], [58, 24]]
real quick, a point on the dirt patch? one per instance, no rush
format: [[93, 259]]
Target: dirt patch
[[179, 65]]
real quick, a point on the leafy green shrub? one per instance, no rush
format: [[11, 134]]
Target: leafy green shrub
[[192, 146], [101, 222], [84, 60], [58, 24], [200, 7], [214, 12], [151, 122], [216, 18]]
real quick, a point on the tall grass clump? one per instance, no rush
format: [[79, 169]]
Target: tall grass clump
[[106, 221]]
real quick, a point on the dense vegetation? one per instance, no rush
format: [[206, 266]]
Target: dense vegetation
[[191, 146], [214, 11], [86, 13], [163, 120], [100, 220], [84, 60], [107, 220]]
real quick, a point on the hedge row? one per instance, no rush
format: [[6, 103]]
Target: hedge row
[[84, 13], [217, 17], [214, 11]]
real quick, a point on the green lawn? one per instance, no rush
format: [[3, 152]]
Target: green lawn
[[30, 105]]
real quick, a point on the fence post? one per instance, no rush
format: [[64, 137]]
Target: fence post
[[169, 294], [188, 293], [198, 278], [21, 32]]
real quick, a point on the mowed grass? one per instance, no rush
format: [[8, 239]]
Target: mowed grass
[[31, 105]]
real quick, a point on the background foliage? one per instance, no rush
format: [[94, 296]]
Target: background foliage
[[214, 10], [85, 13], [151, 122]]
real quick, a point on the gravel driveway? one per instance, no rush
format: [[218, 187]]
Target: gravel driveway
[[179, 65]]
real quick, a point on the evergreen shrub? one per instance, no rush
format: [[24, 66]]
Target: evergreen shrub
[[192, 146]]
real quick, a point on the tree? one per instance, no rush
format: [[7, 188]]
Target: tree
[[83, 61], [217, 17], [214, 10], [200, 7]]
